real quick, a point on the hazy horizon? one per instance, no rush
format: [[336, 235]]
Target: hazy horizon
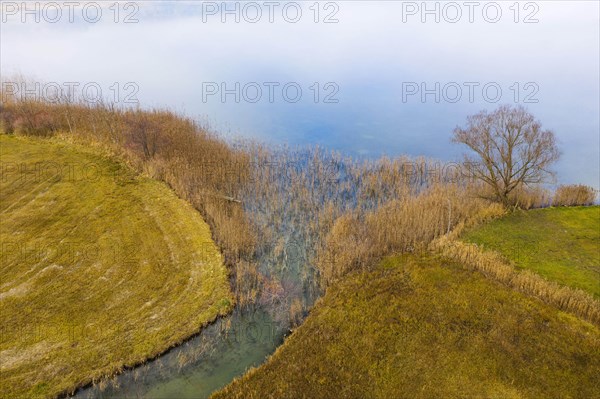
[[368, 61]]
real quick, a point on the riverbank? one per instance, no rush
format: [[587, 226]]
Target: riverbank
[[427, 328], [102, 268]]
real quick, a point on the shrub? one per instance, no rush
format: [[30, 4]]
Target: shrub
[[574, 195]]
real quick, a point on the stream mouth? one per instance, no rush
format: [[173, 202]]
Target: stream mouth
[[221, 352], [292, 205]]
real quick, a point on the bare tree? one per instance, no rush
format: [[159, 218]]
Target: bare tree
[[512, 149]]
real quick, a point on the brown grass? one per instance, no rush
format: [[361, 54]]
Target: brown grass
[[531, 197], [345, 214], [200, 167], [405, 225], [574, 195], [495, 266], [423, 327]]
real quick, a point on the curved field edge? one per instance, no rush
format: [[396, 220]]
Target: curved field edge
[[427, 328], [101, 268], [495, 266], [560, 244]]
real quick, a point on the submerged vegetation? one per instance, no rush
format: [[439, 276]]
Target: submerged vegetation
[[422, 327], [101, 268], [293, 224], [272, 211]]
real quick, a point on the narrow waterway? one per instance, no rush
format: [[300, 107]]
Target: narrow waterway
[[207, 362], [287, 203]]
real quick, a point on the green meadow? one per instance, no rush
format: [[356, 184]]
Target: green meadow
[[422, 327], [560, 244]]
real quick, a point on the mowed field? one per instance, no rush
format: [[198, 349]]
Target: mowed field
[[560, 244], [422, 327], [100, 268]]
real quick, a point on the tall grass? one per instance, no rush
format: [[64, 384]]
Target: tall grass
[[574, 195], [496, 267], [531, 197], [277, 213], [289, 221], [196, 164], [358, 240]]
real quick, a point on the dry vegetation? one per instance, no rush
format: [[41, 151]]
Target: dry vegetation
[[496, 267], [284, 218], [574, 195], [291, 222], [197, 165], [426, 328], [531, 197], [512, 150], [356, 241], [270, 210]]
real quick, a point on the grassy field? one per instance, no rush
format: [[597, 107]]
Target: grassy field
[[560, 244], [426, 328], [100, 268]]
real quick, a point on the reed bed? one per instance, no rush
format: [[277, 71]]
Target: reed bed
[[289, 221], [496, 267], [574, 195]]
